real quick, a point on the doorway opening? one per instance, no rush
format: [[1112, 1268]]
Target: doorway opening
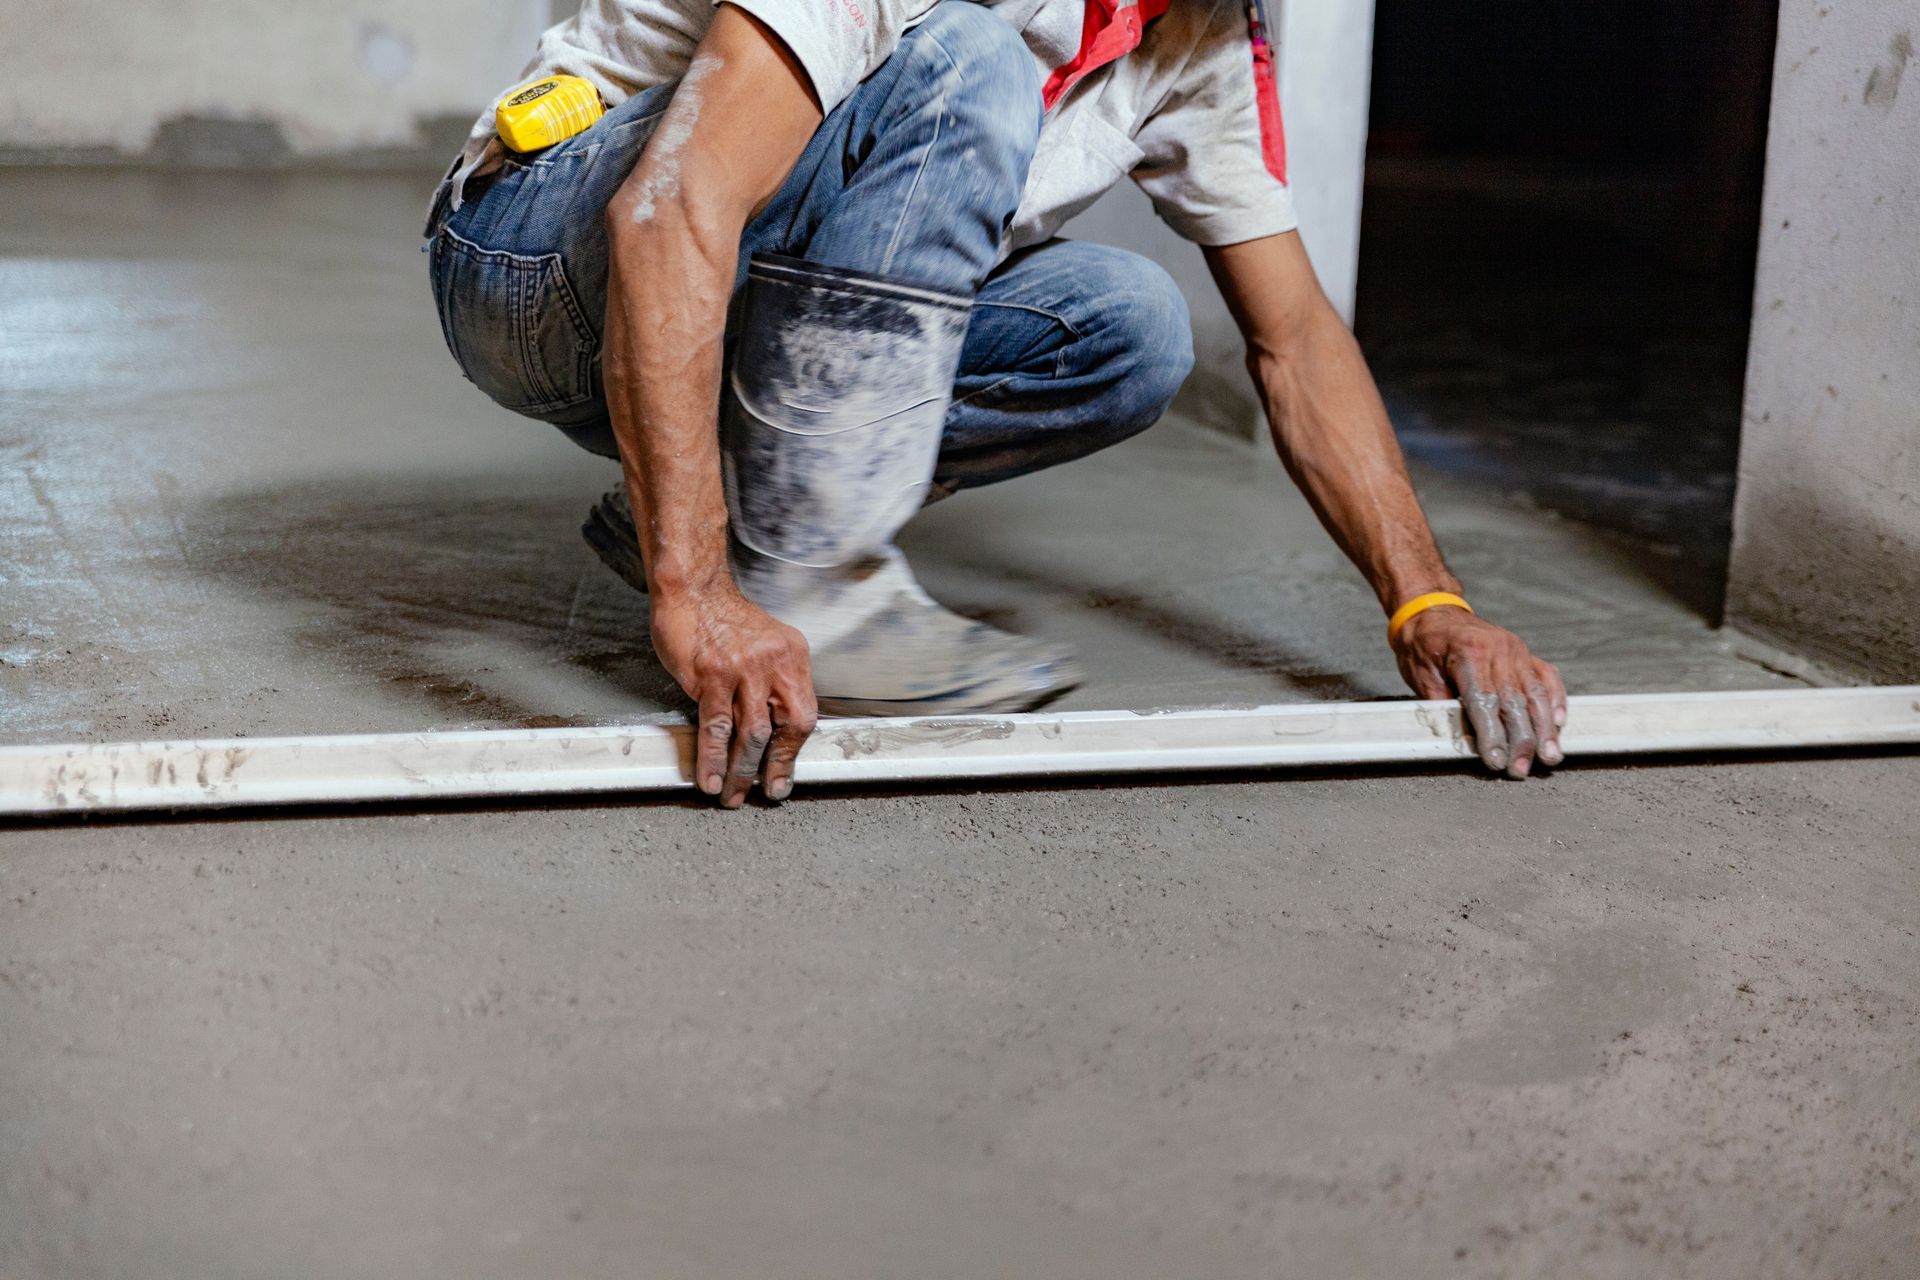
[[1557, 256]]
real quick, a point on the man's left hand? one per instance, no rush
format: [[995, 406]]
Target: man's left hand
[[1514, 701]]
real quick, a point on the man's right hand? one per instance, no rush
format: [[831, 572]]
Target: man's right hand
[[751, 675], [739, 120]]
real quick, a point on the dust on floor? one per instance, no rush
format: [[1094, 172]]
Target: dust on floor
[[1623, 1022]]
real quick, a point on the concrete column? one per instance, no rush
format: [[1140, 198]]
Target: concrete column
[[1826, 551], [1325, 75]]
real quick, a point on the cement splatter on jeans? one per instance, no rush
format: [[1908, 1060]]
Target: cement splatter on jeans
[[832, 423], [830, 429]]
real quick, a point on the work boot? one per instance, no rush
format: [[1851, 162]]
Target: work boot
[[611, 533], [830, 427]]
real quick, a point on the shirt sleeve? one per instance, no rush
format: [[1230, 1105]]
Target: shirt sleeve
[[1215, 150], [838, 43]]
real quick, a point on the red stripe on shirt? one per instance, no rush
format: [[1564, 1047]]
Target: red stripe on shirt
[[1108, 33], [1266, 92]]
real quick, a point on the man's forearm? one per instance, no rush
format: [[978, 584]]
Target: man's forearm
[[1332, 432], [738, 120], [667, 296], [1328, 423]]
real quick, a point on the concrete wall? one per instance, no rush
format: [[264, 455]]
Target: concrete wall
[[1826, 555], [331, 75]]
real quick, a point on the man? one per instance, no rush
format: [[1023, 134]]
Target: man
[[803, 276]]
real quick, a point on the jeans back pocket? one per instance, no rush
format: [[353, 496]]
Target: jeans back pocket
[[513, 323]]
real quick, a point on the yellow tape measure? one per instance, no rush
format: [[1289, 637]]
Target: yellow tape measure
[[547, 111]]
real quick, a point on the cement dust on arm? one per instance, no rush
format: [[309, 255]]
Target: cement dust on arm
[[738, 122], [1331, 430]]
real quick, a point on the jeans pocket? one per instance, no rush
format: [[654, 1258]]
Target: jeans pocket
[[513, 323]]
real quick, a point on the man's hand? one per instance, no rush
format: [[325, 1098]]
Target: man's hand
[[1514, 701], [1332, 432], [750, 675], [739, 120]]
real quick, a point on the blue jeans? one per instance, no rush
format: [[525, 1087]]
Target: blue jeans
[[1071, 346]]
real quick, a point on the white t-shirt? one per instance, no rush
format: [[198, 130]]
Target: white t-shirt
[[1180, 94]]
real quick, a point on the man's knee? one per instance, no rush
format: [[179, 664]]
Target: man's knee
[[983, 47], [1151, 332], [969, 56]]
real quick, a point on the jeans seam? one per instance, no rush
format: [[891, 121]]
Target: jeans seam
[[601, 139], [436, 273], [926, 155], [588, 345], [972, 396], [1030, 309], [1060, 356], [526, 284]]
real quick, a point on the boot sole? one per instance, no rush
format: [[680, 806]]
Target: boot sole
[[616, 548]]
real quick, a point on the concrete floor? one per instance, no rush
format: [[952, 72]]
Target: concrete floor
[[1657, 1020]]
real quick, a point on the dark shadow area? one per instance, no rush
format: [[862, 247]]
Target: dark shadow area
[[439, 592], [1557, 256], [1295, 671], [474, 602]]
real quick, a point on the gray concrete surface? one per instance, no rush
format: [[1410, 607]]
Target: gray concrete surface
[[1826, 553], [1619, 1022], [1628, 1023]]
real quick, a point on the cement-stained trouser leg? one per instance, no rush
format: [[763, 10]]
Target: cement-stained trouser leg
[[830, 428]]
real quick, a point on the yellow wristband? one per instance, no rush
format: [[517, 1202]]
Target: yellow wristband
[[1418, 605]]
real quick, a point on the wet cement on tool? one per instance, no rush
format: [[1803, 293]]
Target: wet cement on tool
[[855, 741], [1620, 1023]]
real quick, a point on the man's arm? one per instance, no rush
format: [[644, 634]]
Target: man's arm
[[1332, 432], [737, 124]]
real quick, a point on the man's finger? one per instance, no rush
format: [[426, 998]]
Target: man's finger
[[1483, 713], [794, 712], [1556, 691], [752, 731], [1522, 742], [714, 737], [1540, 706]]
